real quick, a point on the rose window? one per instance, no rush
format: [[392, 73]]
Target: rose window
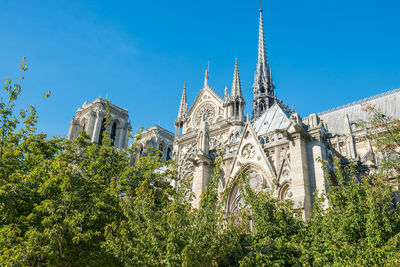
[[207, 111]]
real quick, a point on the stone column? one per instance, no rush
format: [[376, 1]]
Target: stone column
[[97, 126], [91, 123], [319, 151], [230, 110], [277, 158], [201, 177], [299, 172], [118, 135], [72, 129], [203, 167], [122, 136], [241, 115]]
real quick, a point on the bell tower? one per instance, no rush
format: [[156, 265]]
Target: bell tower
[[90, 117]]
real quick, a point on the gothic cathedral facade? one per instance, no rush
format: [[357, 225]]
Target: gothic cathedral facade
[[276, 149]]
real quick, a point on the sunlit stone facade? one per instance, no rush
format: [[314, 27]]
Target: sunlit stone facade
[[90, 117], [277, 149]]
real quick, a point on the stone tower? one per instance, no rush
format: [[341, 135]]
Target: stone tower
[[91, 118], [234, 103], [264, 89]]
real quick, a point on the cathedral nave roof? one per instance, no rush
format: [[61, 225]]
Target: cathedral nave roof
[[274, 118]]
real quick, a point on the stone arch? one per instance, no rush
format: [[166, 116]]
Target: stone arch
[[141, 149], [254, 167], [169, 153], [259, 182], [115, 133], [284, 191], [84, 124]]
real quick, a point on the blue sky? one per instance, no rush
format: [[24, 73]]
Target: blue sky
[[139, 53]]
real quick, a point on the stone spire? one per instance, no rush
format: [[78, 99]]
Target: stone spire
[[206, 78], [264, 95], [234, 103], [183, 106], [236, 87]]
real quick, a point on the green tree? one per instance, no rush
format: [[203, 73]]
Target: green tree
[[361, 224], [271, 227], [75, 203], [162, 228], [56, 196]]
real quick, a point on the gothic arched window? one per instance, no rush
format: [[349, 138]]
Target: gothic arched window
[[83, 124], [256, 182], [113, 133], [169, 154], [284, 192], [102, 128], [263, 106]]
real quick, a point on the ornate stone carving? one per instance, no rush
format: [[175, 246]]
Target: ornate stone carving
[[207, 110], [185, 162], [285, 191], [248, 151], [285, 173], [224, 138]]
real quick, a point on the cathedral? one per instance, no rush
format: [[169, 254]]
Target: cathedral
[[276, 148]]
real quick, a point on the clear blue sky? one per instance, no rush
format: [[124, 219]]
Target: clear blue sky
[[139, 53]]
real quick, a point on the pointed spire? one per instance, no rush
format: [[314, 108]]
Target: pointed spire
[[263, 75], [183, 106], [226, 92], [264, 90], [206, 78], [236, 87]]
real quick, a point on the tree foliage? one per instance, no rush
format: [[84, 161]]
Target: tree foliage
[[76, 203]]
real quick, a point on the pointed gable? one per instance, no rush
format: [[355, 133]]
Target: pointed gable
[[206, 93], [273, 119], [208, 103], [251, 155]]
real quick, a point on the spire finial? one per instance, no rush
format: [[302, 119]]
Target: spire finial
[[206, 78], [183, 105], [236, 87], [263, 85], [260, 6]]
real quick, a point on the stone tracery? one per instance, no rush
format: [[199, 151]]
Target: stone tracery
[[207, 110]]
